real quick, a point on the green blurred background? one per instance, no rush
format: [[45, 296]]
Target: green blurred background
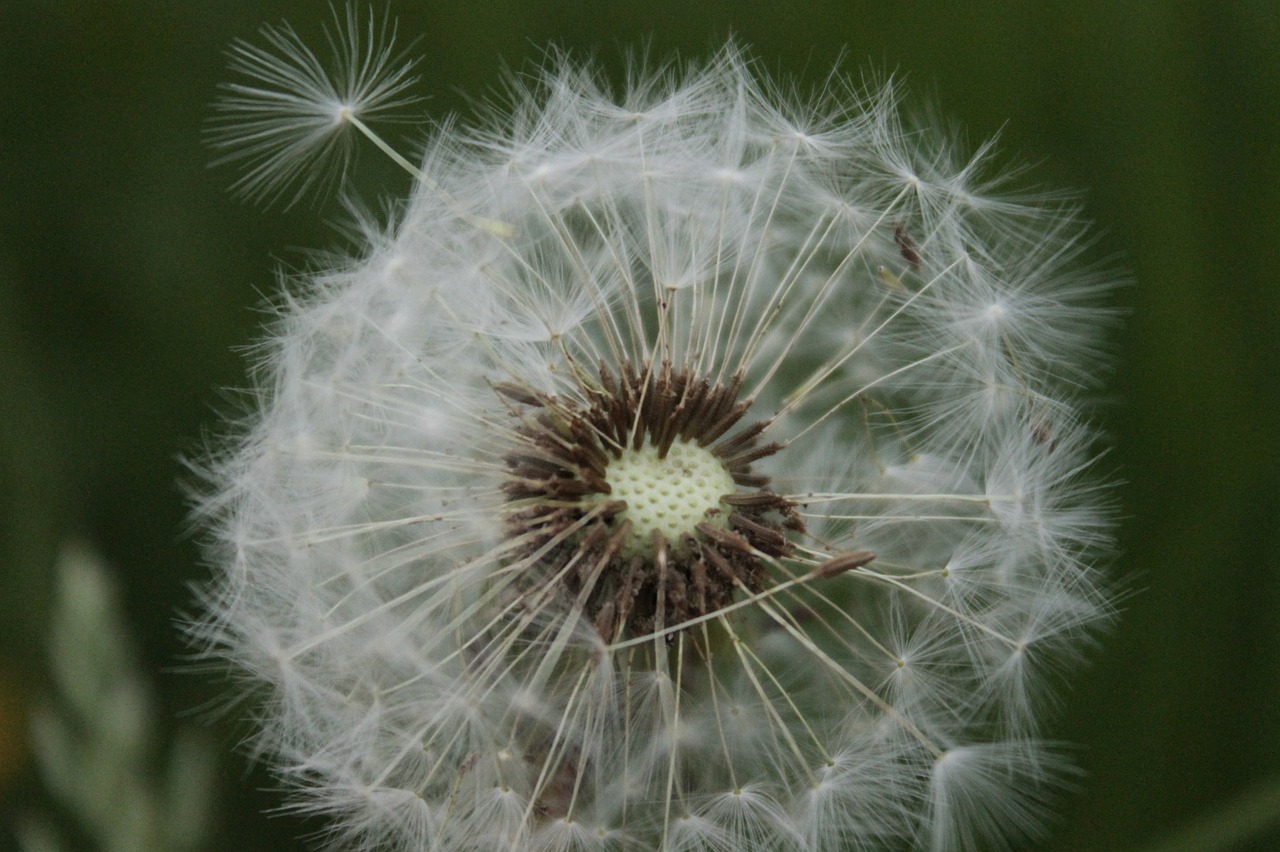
[[128, 275]]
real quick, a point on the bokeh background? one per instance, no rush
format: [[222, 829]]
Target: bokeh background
[[128, 276]]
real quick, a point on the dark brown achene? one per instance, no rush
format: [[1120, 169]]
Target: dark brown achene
[[696, 523]]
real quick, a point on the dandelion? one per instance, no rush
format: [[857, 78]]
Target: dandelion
[[697, 468]]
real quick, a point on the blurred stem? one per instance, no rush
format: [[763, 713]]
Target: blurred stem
[[1241, 820]]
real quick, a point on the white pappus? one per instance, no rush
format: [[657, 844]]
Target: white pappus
[[693, 467]]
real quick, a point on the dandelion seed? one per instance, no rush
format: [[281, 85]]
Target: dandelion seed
[[287, 118], [622, 497]]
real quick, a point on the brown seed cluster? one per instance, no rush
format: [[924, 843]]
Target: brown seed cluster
[[563, 523]]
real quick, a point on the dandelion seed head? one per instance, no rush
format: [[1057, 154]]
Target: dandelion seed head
[[696, 467]]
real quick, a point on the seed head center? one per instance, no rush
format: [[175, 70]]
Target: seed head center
[[636, 496], [670, 495]]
